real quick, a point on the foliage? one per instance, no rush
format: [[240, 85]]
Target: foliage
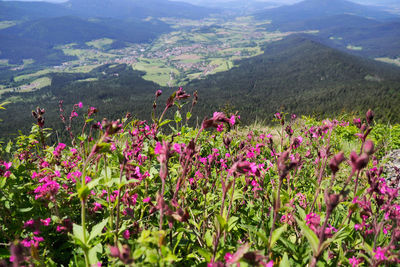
[[131, 192]]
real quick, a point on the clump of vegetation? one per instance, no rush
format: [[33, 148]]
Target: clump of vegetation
[[129, 192]]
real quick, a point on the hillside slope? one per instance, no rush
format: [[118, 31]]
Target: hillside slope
[[302, 76]]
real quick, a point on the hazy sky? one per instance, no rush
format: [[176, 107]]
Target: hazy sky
[[275, 1]]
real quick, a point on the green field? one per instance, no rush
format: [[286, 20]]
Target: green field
[[32, 75], [28, 87], [100, 43], [3, 62], [354, 47], [6, 24], [88, 80], [395, 61], [156, 71]]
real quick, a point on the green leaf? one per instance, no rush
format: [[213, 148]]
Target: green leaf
[[139, 252], [3, 181], [263, 237], [209, 239], [206, 254], [164, 122], [285, 261], [188, 115], [277, 234], [178, 117], [310, 235], [26, 209], [77, 231], [93, 253], [232, 222], [339, 235], [83, 192], [97, 229], [221, 222], [301, 212]]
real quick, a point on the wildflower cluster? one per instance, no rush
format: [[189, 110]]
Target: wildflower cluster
[[124, 192]]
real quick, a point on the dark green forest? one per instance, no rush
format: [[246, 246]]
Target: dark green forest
[[296, 75]]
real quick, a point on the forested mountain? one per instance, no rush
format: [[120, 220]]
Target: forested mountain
[[136, 8], [36, 39], [41, 26], [62, 30], [375, 38], [295, 75], [302, 76], [341, 24], [310, 9], [15, 10]]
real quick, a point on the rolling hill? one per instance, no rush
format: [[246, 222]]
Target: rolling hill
[[16, 10], [312, 9], [341, 24], [136, 8], [36, 39], [62, 30]]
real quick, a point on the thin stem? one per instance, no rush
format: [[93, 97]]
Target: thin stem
[[119, 204], [276, 209]]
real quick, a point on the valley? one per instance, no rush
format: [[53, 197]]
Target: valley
[[193, 50]]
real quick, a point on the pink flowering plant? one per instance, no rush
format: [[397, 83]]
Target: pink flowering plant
[[131, 192]]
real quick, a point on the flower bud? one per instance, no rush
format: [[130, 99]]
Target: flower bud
[[114, 252], [369, 147], [334, 165], [353, 157], [362, 161], [357, 122], [332, 201], [370, 116]]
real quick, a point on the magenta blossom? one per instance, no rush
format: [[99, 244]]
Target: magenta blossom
[[380, 253], [354, 261]]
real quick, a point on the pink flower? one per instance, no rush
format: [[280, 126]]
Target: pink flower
[[178, 148], [29, 223], [97, 206], [80, 105], [46, 222], [380, 254], [126, 234], [313, 220], [147, 200], [354, 261], [113, 147], [228, 256], [232, 120], [270, 264], [220, 127], [7, 165], [158, 148]]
